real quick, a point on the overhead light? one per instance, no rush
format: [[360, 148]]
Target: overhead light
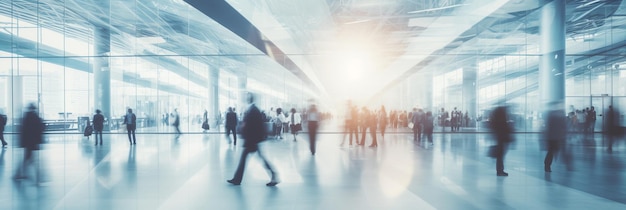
[[436, 9], [358, 21]]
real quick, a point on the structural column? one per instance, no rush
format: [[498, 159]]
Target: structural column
[[214, 95], [242, 83], [102, 71], [552, 66], [469, 90]]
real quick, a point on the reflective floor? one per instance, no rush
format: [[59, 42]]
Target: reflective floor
[[162, 172]]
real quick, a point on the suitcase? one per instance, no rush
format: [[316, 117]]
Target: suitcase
[[88, 130]]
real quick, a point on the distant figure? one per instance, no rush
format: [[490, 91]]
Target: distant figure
[[591, 119], [382, 121], [313, 117], [278, 123], [555, 133], [612, 127], [205, 121], [3, 123], [231, 125], [98, 125], [254, 132], [131, 125], [351, 124], [428, 126], [371, 123], [176, 123], [295, 123], [417, 118], [31, 137], [466, 119], [502, 131]]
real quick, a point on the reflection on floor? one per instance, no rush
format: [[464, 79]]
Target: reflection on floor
[[191, 172]]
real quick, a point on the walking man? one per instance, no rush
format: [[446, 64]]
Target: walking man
[[98, 125], [231, 124], [31, 137], [131, 125], [253, 132]]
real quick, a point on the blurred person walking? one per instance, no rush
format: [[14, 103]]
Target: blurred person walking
[[429, 126], [351, 124], [612, 127], [205, 121], [313, 117], [417, 120], [98, 125], [31, 136], [555, 134], [502, 131], [591, 119], [231, 125], [382, 121], [176, 124], [370, 121], [130, 119], [254, 132], [3, 123]]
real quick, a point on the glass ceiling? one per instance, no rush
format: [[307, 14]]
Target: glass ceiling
[[369, 44]]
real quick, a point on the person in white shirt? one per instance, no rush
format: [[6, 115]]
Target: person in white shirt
[[278, 123], [295, 123]]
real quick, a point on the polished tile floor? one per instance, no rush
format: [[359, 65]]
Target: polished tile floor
[[162, 172]]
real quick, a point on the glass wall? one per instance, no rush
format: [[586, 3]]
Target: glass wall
[[162, 57], [507, 72], [165, 55]]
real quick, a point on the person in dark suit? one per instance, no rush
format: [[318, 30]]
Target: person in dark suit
[[254, 132], [502, 132], [176, 124], [98, 125], [612, 127], [131, 125], [313, 118], [555, 133], [429, 126], [231, 124], [30, 139]]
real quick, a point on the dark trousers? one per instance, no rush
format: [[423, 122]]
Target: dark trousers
[[242, 164], [131, 129], [233, 130], [501, 147], [417, 132], [177, 129], [2, 137], [428, 134], [553, 148], [96, 136], [313, 126]]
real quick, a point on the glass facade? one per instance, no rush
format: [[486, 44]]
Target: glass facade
[[166, 55], [157, 56]]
